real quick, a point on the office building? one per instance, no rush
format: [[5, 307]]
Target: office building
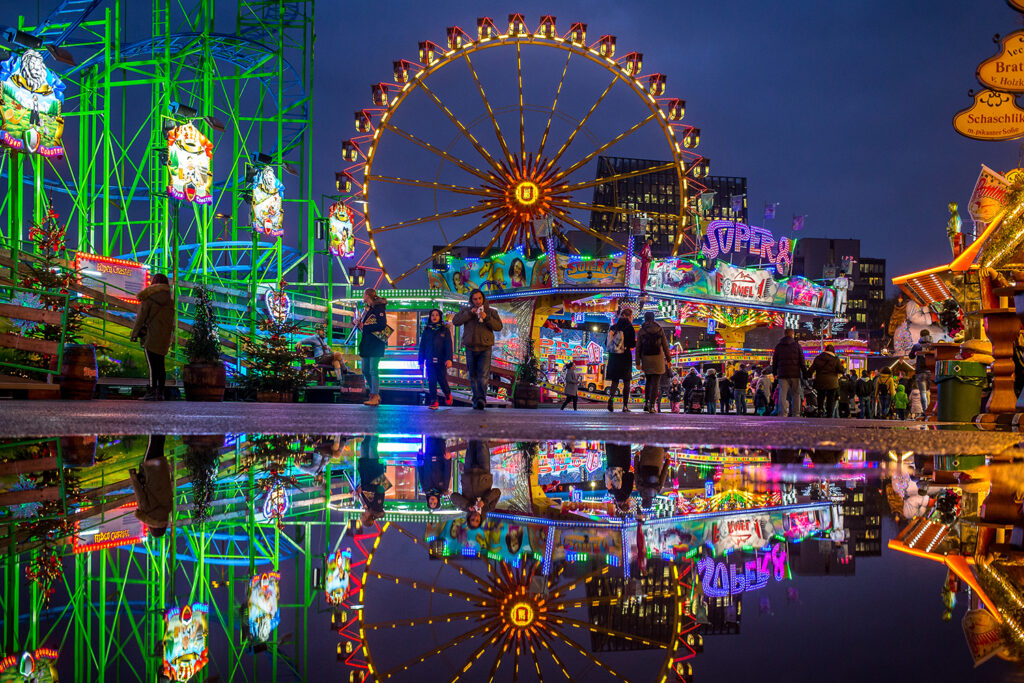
[[821, 259]]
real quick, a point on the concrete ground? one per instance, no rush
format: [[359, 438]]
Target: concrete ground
[[59, 418]]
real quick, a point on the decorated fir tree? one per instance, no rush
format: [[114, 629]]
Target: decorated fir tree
[[203, 345], [528, 373], [276, 364]]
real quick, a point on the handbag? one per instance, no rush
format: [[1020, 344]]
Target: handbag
[[384, 334]]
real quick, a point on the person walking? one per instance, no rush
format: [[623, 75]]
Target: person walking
[[740, 382], [652, 358], [922, 376], [675, 393], [571, 383], [789, 366], [900, 402], [153, 487], [916, 405], [373, 481], [652, 465], [480, 322], [434, 468], [711, 390], [373, 342], [621, 342], [154, 329], [725, 389], [846, 393], [826, 369], [435, 357], [866, 394], [885, 389], [478, 495]]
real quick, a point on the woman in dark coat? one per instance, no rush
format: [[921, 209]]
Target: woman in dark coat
[[652, 357], [435, 471], [621, 342], [154, 327], [154, 490], [436, 357], [618, 478], [371, 347]]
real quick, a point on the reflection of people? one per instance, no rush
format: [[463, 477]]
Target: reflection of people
[[618, 478], [514, 539], [478, 495], [154, 490], [434, 470], [373, 481], [480, 322], [517, 273]]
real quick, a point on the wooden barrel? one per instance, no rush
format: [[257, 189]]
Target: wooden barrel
[[204, 381], [78, 374], [353, 383], [275, 396]]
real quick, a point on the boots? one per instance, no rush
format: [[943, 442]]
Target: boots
[[374, 400]]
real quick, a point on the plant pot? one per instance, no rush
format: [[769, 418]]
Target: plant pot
[[78, 372], [204, 381], [275, 396], [526, 396]]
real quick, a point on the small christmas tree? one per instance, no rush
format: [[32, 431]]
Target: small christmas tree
[[528, 372], [203, 345], [275, 361]]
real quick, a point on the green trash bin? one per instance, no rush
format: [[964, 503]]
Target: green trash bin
[[960, 386]]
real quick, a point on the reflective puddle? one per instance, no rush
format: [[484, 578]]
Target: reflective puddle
[[247, 557]]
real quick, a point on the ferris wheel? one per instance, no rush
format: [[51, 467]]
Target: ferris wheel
[[493, 619], [505, 164]]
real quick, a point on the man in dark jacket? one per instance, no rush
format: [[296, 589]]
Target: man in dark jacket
[[435, 471], [788, 365], [690, 382], [827, 368], [740, 380], [478, 495], [480, 322], [618, 478], [922, 376]]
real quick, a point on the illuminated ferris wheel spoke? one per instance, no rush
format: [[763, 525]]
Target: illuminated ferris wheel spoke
[[515, 662], [565, 217], [490, 113], [429, 588], [586, 578], [611, 143], [456, 243], [530, 641], [543, 640], [454, 213], [479, 652], [595, 628], [469, 635], [439, 152], [565, 240], [497, 661], [572, 644], [462, 129], [582, 122], [420, 621], [554, 106], [458, 189], [447, 562], [574, 603], [575, 187], [602, 208], [522, 120]]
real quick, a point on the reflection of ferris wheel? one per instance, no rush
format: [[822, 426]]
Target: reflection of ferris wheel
[[486, 618], [508, 181]]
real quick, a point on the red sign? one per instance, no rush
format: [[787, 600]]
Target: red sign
[[124, 529], [125, 278]]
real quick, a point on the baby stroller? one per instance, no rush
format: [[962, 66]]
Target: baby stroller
[[695, 401], [810, 408]]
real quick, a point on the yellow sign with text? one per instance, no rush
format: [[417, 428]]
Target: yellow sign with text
[[993, 116], [1005, 71]]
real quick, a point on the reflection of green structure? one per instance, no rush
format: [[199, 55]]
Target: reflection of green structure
[[250, 75], [106, 616]]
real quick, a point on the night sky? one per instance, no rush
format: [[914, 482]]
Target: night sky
[[840, 111]]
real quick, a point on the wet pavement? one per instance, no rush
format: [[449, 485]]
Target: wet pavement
[[49, 418], [405, 556]]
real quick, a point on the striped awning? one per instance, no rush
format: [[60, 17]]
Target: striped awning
[[927, 286]]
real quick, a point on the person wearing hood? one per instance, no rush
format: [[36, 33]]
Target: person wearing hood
[[154, 328], [435, 471], [651, 472], [154, 489], [652, 357], [763, 393], [571, 383], [436, 352], [690, 382], [478, 495], [480, 322], [621, 342], [900, 402], [788, 365], [826, 369], [922, 375], [618, 478], [373, 342], [711, 393]]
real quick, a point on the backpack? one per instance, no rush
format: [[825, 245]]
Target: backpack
[[649, 344], [883, 389], [618, 343]]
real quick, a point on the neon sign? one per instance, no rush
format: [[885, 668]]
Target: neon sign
[[719, 579], [728, 237]]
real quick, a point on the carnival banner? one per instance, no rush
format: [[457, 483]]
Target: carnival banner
[[740, 531], [494, 274], [264, 613], [494, 539], [988, 197], [267, 202], [38, 667], [984, 636], [341, 223], [189, 154], [745, 285], [185, 632], [31, 97], [728, 237], [338, 584], [596, 272]]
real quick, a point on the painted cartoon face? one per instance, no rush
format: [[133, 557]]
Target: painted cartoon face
[[268, 180]]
